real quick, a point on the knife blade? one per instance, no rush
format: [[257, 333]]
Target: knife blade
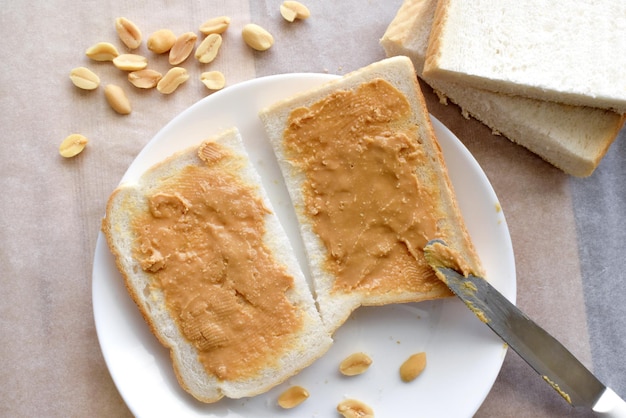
[[555, 364]]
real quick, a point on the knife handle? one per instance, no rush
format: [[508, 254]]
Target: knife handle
[[610, 405]]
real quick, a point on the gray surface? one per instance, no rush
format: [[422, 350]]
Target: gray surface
[[600, 211]]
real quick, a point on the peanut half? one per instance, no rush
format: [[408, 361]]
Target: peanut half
[[215, 25], [413, 367], [84, 78], [72, 145], [128, 32], [102, 51], [353, 408], [130, 62], [256, 37], [293, 397], [172, 79], [213, 80], [355, 364], [208, 48], [144, 79], [161, 41], [292, 10], [182, 48], [117, 99]]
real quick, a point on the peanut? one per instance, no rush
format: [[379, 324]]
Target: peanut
[[182, 48], [144, 79], [84, 78], [161, 41], [215, 25], [130, 62], [355, 364], [293, 397], [172, 79], [208, 48], [413, 367], [72, 145], [117, 99], [102, 51], [213, 80], [292, 10], [353, 408], [256, 37], [128, 32]]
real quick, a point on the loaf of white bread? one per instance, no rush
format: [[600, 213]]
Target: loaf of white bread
[[228, 299], [436, 196], [572, 138]]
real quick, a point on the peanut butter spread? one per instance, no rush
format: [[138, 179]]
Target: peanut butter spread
[[441, 255], [358, 153], [202, 240]]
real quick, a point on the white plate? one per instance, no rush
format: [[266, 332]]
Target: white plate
[[464, 357]]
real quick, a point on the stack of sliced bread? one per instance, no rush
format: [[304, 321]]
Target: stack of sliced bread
[[544, 77]]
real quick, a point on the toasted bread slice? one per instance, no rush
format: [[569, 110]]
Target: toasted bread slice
[[194, 267], [572, 138], [341, 287]]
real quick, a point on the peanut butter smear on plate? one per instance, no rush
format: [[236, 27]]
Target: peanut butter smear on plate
[[202, 240], [361, 192]]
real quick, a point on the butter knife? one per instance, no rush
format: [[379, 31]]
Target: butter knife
[[554, 363]]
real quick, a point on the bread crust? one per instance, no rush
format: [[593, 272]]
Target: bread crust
[[308, 343], [336, 307]]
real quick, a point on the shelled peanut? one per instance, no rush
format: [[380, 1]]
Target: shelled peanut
[[128, 32], [354, 408], [84, 78], [292, 10], [72, 145], [355, 364], [117, 99], [256, 37], [292, 397], [413, 367], [161, 41]]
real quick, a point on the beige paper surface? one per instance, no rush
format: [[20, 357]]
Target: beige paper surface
[[50, 210]]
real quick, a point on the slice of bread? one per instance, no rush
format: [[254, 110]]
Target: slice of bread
[[417, 282], [572, 138], [568, 54], [130, 207]]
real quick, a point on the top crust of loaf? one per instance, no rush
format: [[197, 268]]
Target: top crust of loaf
[[572, 138], [564, 54], [398, 71], [129, 200]]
